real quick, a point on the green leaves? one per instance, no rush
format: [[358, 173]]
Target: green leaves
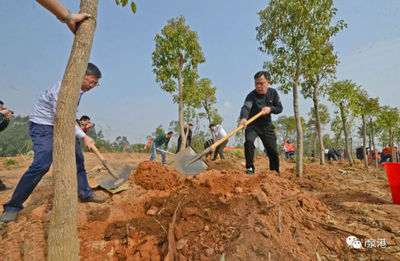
[[133, 7], [296, 34], [125, 2], [176, 39]]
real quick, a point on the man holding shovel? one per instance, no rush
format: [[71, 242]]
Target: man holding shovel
[[157, 144], [265, 99], [41, 132]]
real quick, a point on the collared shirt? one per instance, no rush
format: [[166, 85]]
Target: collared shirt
[[219, 132], [45, 108]]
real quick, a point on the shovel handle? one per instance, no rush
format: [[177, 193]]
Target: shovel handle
[[200, 155], [93, 148], [230, 134]]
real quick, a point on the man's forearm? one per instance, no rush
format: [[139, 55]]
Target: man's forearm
[[55, 7]]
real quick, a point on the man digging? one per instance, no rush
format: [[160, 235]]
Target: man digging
[[41, 132], [267, 100]]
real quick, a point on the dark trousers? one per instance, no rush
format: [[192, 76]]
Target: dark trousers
[[42, 138], [268, 138], [2, 185], [179, 144], [220, 150]]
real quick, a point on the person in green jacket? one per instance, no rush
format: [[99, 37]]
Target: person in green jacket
[[158, 142]]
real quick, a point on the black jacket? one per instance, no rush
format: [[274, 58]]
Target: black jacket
[[3, 122], [254, 102]]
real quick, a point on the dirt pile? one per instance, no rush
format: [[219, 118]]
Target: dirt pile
[[219, 212], [155, 176]]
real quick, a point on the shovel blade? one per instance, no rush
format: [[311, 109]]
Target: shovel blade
[[109, 182], [184, 157]]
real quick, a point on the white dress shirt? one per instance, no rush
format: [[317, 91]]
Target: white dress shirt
[[45, 108]]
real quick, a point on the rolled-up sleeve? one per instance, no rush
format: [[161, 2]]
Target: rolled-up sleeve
[[79, 132]]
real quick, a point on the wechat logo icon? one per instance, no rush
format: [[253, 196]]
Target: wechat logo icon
[[353, 242]]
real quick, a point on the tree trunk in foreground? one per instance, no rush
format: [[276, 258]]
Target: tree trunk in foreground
[[63, 237]]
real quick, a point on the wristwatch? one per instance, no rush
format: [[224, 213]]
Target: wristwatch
[[67, 18]]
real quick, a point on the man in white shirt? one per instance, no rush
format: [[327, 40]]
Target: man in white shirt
[[41, 132], [219, 133]]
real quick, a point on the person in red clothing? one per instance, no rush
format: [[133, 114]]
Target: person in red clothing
[[85, 124], [290, 150], [285, 147], [386, 154]]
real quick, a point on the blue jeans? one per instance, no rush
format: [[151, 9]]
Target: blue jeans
[[154, 151], [42, 138]]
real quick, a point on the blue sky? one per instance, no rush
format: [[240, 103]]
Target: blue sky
[[35, 47]]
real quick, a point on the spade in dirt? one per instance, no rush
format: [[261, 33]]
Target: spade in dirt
[[115, 179], [190, 163]]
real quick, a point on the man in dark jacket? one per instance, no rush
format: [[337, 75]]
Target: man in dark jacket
[[161, 144], [188, 139], [5, 116], [267, 100]]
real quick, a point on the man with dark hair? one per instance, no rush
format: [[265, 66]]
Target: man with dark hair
[[5, 116], [188, 138], [265, 99], [84, 123], [219, 133], [160, 143], [41, 132]]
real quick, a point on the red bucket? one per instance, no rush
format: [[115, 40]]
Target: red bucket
[[393, 174]]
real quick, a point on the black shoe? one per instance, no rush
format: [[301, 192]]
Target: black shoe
[[95, 198], [4, 187], [250, 171], [8, 216]]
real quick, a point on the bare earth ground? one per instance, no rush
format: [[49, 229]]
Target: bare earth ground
[[219, 212]]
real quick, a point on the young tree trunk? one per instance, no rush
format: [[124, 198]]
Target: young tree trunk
[[63, 238], [180, 85], [318, 125], [373, 142], [346, 137], [315, 145], [364, 122], [392, 150], [299, 129]]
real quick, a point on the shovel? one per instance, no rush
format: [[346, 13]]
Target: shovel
[[165, 151], [117, 178], [190, 163]]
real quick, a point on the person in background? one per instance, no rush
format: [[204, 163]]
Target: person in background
[[219, 133], [332, 153], [285, 149], [207, 144], [85, 124], [5, 116], [188, 138], [63, 14], [386, 154], [161, 144], [290, 151]]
